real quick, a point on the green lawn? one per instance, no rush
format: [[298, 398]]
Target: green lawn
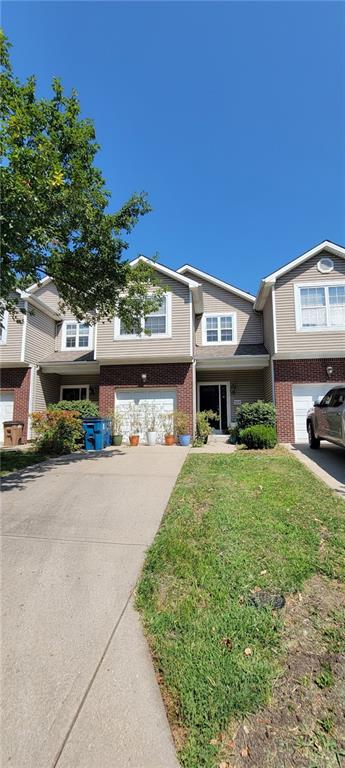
[[11, 461], [234, 523]]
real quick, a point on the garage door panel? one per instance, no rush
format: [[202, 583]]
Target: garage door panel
[[303, 396], [6, 410], [156, 401]]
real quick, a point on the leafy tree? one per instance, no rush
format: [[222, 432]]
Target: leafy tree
[[55, 219]]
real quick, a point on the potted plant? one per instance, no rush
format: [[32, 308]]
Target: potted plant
[[151, 420], [135, 426], [203, 426], [181, 422], [116, 418], [168, 429]]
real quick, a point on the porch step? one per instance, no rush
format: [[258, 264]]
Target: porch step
[[218, 438]]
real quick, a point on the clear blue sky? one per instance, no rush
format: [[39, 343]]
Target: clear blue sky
[[231, 115]]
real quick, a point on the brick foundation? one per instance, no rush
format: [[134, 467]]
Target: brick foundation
[[176, 376], [289, 372], [17, 380]]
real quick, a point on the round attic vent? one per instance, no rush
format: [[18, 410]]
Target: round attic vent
[[325, 265]]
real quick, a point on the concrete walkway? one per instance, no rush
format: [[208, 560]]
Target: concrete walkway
[[78, 686], [327, 463]]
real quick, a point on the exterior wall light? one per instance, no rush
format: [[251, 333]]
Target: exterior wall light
[[329, 370], [143, 378]]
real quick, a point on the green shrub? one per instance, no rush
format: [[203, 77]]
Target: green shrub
[[260, 412], [57, 432], [86, 408], [203, 427], [258, 436]]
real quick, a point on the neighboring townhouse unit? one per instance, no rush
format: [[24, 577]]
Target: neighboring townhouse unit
[[303, 307], [211, 346]]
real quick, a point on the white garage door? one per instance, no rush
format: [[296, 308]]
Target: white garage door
[[6, 411], [304, 396], [144, 403]]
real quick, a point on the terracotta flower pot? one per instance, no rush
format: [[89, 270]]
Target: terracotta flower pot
[[134, 439], [169, 440]]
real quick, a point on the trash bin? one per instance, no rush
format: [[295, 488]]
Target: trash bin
[[96, 433], [13, 433]]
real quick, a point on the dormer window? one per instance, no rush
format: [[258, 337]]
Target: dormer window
[[76, 335], [219, 328], [320, 307]]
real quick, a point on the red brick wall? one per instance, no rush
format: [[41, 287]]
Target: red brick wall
[[174, 375], [289, 372], [18, 381]]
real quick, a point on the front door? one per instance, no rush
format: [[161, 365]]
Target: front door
[[214, 397]]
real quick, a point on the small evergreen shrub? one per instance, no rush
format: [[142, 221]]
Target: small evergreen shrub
[[258, 436], [260, 412], [57, 432], [85, 408]]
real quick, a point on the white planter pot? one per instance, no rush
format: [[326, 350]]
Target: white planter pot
[[151, 438]]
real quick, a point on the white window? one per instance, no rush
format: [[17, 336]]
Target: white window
[[219, 329], [320, 307], [74, 392], [155, 325], [76, 335], [3, 328]]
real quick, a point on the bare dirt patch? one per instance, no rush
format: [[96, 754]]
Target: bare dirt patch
[[304, 724]]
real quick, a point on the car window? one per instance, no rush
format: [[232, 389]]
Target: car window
[[339, 398], [327, 398]]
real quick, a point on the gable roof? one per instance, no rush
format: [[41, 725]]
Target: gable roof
[[267, 282], [35, 302], [35, 286], [194, 286], [215, 281], [165, 271]]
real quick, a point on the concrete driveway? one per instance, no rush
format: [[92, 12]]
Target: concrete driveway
[[78, 686], [327, 463]]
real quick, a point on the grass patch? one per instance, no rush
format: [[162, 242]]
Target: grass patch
[[12, 461], [234, 524]]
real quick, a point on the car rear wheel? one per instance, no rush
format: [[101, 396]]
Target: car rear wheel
[[314, 442]]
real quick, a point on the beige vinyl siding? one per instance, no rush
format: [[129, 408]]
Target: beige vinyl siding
[[268, 385], [49, 294], [249, 324], [47, 387], [47, 390], [10, 352], [40, 336], [268, 324], [249, 385], [92, 379], [149, 346], [288, 338]]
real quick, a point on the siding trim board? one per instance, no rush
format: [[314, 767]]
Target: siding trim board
[[220, 283], [3, 338], [275, 342]]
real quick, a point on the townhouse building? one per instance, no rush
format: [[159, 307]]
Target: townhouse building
[[211, 345]]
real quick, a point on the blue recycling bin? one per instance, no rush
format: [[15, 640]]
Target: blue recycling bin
[[97, 433]]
